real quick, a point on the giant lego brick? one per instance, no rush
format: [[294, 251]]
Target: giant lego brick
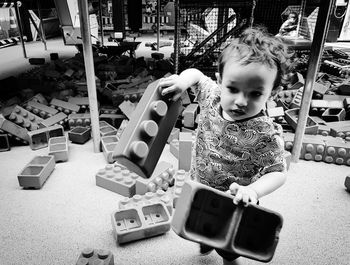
[[58, 147], [145, 136], [180, 178], [313, 148], [117, 179], [108, 144], [4, 143], [140, 222], [333, 114], [82, 102], [40, 138], [14, 130], [106, 129], [185, 151], [208, 216], [276, 113], [113, 119], [147, 199], [128, 108], [318, 106], [91, 256], [337, 151], [79, 135], [36, 172], [79, 119], [189, 115], [40, 109], [24, 118], [292, 115], [161, 178], [64, 106], [296, 102], [286, 96], [58, 119]]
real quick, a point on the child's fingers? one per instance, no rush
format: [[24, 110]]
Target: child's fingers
[[237, 198], [245, 199], [234, 188], [168, 90]]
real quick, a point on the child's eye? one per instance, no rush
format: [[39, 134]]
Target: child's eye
[[233, 89], [256, 94]]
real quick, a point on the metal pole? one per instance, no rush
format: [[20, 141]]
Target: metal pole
[[89, 71], [19, 21], [176, 36], [43, 38], [300, 17], [321, 30], [101, 20], [158, 24]]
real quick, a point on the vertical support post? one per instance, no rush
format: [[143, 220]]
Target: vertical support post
[[177, 31], [300, 17], [43, 38], [321, 30], [158, 23], [101, 20], [19, 21], [89, 71]]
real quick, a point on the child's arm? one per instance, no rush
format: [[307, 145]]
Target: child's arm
[[177, 84], [263, 186]]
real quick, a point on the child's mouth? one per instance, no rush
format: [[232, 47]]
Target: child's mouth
[[238, 112]]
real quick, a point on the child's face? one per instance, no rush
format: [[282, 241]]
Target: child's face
[[245, 89], [292, 18]]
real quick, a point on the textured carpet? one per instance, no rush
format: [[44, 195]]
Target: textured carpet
[[53, 225]]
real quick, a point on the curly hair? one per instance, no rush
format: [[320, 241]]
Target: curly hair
[[256, 45]]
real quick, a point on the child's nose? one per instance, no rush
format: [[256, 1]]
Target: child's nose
[[241, 100]]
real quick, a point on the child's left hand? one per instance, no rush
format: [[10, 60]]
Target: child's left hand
[[243, 193]]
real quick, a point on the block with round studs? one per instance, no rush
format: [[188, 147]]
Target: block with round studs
[[337, 151], [12, 129], [64, 106], [95, 256], [40, 109], [24, 118], [117, 179], [145, 136], [79, 119]]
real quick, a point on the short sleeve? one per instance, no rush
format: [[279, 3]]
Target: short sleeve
[[204, 89]]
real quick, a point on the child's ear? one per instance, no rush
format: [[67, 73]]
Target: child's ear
[[218, 78]]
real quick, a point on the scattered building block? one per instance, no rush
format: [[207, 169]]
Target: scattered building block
[[147, 199], [4, 143], [140, 222], [286, 96], [108, 110], [18, 132], [40, 109], [40, 138], [161, 178], [332, 114], [79, 119], [297, 81], [58, 147], [36, 172], [117, 179], [145, 136], [276, 113], [323, 130], [291, 116], [180, 177], [189, 115], [24, 118], [185, 98], [79, 135], [342, 132], [122, 128], [347, 183], [318, 106], [95, 256], [38, 98], [82, 102], [107, 129], [208, 216], [113, 119], [319, 90], [64, 106], [337, 151], [128, 108], [174, 134], [58, 119], [313, 148], [108, 144], [174, 148], [296, 102], [185, 151]]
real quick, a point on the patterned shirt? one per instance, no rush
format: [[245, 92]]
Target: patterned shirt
[[233, 151]]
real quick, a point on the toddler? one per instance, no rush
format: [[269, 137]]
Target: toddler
[[238, 148]]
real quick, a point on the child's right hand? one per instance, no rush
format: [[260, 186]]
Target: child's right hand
[[173, 85]]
